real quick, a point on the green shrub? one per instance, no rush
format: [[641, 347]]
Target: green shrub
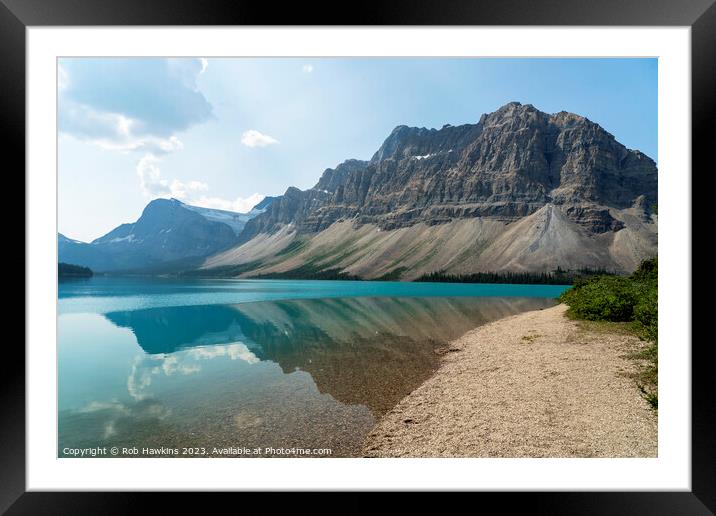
[[605, 298], [647, 271], [617, 298], [646, 310]]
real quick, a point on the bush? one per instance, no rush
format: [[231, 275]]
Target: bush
[[647, 271], [646, 309], [616, 298], [605, 298]]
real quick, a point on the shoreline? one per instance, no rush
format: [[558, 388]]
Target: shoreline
[[536, 384]]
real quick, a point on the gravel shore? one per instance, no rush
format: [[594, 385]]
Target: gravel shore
[[530, 385]]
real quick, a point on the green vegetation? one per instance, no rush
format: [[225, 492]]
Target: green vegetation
[[632, 300], [604, 298], [616, 298], [556, 277], [315, 269], [319, 267], [224, 271], [393, 275], [293, 248], [308, 272], [68, 270]]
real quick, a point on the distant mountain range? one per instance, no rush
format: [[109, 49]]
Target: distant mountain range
[[169, 236], [521, 190]]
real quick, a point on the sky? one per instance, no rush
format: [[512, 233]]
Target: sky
[[224, 132]]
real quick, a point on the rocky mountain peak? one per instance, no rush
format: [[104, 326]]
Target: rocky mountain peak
[[264, 203], [514, 116], [565, 118], [332, 178], [419, 142], [507, 166]]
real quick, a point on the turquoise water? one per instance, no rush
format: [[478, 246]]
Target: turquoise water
[[102, 295], [210, 368]]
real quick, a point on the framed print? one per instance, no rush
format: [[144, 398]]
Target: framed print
[[417, 249]]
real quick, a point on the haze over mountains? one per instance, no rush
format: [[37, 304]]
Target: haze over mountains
[[169, 236], [521, 190]]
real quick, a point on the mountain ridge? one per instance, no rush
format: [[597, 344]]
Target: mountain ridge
[[169, 235], [506, 168]]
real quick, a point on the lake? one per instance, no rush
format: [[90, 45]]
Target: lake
[[161, 367]]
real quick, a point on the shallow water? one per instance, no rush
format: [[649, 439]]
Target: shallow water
[[233, 367]]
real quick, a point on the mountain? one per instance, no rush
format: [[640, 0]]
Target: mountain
[[81, 253], [520, 190], [234, 220], [170, 235]]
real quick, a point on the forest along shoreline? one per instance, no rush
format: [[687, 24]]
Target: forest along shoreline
[[575, 380]]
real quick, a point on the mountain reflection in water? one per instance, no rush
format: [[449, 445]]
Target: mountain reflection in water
[[309, 372], [370, 351]]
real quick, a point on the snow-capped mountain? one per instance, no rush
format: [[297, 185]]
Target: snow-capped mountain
[[169, 235]]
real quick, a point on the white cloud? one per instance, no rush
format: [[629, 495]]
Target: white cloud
[[307, 68], [240, 204], [154, 186], [113, 131], [234, 351], [145, 367], [131, 104], [140, 106], [253, 138], [150, 177], [186, 191], [185, 362]]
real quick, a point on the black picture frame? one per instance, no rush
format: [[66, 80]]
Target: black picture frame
[[17, 15]]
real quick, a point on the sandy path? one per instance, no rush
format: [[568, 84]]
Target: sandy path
[[530, 385]]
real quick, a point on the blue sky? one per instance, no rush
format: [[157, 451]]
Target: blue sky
[[224, 132]]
